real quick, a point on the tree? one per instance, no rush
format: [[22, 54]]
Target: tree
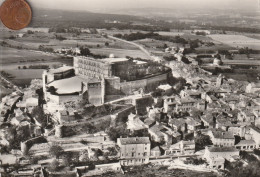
[[34, 160], [201, 141], [115, 133], [165, 46], [52, 90], [84, 51], [67, 160], [106, 44], [54, 165], [24, 67], [55, 151], [30, 32]]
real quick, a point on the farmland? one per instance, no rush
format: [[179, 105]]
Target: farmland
[[10, 55], [237, 41]]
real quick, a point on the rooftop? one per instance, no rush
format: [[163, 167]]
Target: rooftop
[[165, 87], [60, 69], [134, 140], [69, 85], [222, 149], [246, 142], [113, 60], [223, 135]]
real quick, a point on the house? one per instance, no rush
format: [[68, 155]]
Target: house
[[222, 138], [190, 93], [237, 129], [223, 122], [246, 145], [181, 148], [156, 152], [255, 133], [178, 124], [186, 104], [177, 105], [134, 150], [207, 121], [224, 152], [148, 122], [161, 133], [246, 116], [105, 168], [192, 124], [201, 105], [217, 163], [134, 123], [154, 112]]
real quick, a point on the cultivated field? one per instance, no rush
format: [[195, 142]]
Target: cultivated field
[[237, 41], [165, 33], [11, 55]]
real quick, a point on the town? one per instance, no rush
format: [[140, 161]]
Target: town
[[176, 108]]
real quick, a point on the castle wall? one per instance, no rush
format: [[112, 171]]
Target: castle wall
[[129, 87], [61, 98]]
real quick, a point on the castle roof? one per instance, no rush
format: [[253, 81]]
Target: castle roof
[[69, 85], [60, 69], [113, 60]]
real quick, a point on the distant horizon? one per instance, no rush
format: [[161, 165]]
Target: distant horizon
[[118, 5]]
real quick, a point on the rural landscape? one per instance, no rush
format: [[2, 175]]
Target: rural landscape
[[135, 92]]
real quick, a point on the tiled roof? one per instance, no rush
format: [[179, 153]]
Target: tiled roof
[[223, 149], [177, 122], [134, 140], [223, 135], [246, 142]]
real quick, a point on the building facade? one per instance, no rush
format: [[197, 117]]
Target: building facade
[[134, 150]]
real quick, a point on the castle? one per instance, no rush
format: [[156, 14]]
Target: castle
[[94, 79]]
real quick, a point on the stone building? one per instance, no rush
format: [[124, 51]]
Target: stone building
[[224, 152], [134, 150], [222, 138]]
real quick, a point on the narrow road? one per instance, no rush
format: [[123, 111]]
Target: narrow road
[[135, 44]]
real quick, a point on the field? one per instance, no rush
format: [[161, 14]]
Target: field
[[23, 77], [11, 55], [112, 32], [237, 41], [165, 33], [154, 44]]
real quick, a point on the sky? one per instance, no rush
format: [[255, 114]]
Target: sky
[[96, 5], [92, 5]]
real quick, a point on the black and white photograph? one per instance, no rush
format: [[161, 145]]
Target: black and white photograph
[[130, 88]]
